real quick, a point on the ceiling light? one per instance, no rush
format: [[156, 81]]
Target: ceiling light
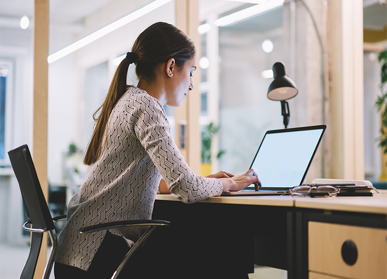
[[106, 30], [248, 1], [24, 22], [204, 28], [267, 46], [267, 74], [204, 63], [265, 6]]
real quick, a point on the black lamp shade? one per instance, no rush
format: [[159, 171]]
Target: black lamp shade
[[282, 88]]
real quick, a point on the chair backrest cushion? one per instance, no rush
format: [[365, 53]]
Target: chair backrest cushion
[[33, 198]]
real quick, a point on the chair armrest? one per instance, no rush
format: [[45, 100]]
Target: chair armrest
[[127, 223], [59, 218]]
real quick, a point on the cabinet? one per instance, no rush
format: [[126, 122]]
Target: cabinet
[[346, 251], [314, 275]]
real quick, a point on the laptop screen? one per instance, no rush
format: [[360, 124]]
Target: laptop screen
[[284, 156]]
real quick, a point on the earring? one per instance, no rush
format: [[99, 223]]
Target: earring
[[170, 75]]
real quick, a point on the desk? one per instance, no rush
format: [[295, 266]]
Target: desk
[[271, 231]]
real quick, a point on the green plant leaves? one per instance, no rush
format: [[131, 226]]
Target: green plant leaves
[[207, 134]]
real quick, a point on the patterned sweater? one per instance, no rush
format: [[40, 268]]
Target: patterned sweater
[[123, 183]]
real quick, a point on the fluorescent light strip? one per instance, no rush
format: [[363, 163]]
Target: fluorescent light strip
[[204, 28], [267, 74], [106, 30], [248, 1], [264, 6], [249, 12]]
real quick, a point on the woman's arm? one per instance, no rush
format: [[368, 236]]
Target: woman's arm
[[229, 181], [163, 187]]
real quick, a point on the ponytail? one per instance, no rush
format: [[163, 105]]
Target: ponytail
[[117, 88]]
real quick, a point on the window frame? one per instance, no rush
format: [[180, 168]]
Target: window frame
[[8, 109]]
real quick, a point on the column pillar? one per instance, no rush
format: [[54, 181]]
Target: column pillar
[[345, 51], [40, 109]]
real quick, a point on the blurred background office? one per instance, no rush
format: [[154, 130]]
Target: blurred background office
[[238, 42]]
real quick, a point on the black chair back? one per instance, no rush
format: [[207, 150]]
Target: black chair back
[[39, 216]]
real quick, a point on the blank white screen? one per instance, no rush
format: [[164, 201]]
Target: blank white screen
[[283, 158]]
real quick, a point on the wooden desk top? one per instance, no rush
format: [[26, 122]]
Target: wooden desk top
[[376, 204], [244, 200]]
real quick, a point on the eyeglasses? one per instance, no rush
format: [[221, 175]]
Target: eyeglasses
[[314, 191]]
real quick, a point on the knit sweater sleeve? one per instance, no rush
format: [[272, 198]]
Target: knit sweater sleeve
[[153, 131]]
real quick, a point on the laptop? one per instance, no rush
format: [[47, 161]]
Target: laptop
[[283, 159]]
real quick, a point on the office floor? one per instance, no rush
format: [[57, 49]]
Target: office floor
[[12, 260], [262, 272]]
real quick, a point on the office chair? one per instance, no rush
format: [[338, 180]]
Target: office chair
[[40, 220]]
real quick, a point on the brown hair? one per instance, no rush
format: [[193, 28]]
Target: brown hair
[[155, 45]]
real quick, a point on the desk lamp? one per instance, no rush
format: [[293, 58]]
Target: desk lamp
[[281, 89]]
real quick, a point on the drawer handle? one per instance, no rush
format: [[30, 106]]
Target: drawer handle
[[349, 252]]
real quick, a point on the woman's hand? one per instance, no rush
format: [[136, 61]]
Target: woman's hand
[[221, 174], [240, 182]]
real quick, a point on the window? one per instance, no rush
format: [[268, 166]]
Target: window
[[5, 102], [3, 79]]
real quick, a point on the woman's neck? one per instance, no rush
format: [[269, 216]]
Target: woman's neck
[[153, 88]]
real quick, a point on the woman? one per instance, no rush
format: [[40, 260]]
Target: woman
[[130, 150]]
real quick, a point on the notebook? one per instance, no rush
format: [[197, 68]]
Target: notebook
[[283, 159]]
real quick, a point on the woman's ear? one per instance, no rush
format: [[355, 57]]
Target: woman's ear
[[171, 65]]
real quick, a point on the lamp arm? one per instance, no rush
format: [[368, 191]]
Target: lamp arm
[[285, 112]]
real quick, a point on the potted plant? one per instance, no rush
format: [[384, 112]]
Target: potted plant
[[381, 105], [207, 135]]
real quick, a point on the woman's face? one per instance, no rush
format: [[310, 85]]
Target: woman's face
[[180, 83]]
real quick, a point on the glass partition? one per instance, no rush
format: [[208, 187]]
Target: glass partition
[[245, 113], [372, 158], [375, 42], [245, 51]]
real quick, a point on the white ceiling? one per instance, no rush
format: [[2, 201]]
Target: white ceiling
[[67, 12], [61, 11], [72, 12]]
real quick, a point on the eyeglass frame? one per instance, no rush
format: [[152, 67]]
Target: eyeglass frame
[[312, 187]]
